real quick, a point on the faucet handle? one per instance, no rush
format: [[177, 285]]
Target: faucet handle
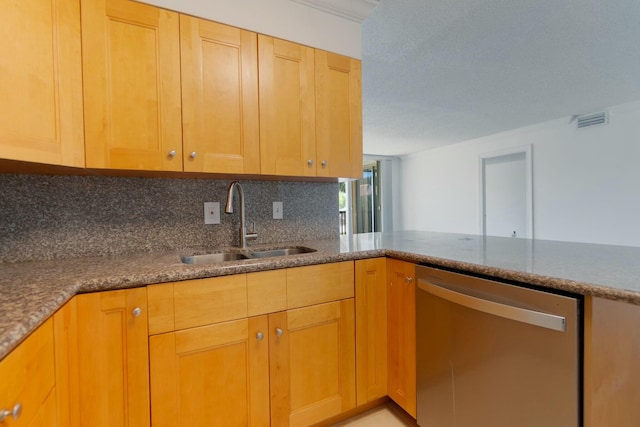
[[253, 235]]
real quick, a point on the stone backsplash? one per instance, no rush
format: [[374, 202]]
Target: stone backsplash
[[50, 217]]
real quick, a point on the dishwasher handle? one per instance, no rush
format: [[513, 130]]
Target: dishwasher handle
[[531, 317]]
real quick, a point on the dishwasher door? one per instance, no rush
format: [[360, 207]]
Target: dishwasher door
[[490, 354]]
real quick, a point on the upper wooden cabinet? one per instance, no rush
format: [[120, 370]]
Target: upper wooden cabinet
[[287, 108], [41, 82], [338, 115], [131, 71], [310, 111], [170, 92], [219, 97]]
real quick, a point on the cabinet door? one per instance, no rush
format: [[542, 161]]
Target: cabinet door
[[312, 363], [28, 380], [371, 329], [41, 82], [219, 97], [287, 108], [611, 354], [401, 334], [131, 76], [113, 358], [215, 375], [338, 115]]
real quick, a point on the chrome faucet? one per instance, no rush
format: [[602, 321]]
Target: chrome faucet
[[244, 236]]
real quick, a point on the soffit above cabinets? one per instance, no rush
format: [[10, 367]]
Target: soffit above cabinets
[[332, 25], [354, 10]]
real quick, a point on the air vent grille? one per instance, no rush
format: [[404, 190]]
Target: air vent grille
[[592, 120]]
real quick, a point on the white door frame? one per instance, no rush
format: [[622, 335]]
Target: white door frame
[[527, 150]]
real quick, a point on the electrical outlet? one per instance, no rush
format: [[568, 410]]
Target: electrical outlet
[[212, 212], [277, 210]]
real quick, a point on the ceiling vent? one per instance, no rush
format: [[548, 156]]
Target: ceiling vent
[[587, 120]]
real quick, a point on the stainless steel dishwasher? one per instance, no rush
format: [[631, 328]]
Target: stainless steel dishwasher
[[491, 354]]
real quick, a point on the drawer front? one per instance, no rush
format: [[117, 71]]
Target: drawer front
[[27, 375], [316, 284], [267, 292], [192, 303]]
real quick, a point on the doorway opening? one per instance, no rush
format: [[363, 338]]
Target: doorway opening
[[360, 202], [506, 196]]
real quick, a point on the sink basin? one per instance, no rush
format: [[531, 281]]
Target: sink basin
[[216, 257], [281, 252], [213, 258]]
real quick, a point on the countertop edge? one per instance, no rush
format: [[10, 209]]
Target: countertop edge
[[35, 305]]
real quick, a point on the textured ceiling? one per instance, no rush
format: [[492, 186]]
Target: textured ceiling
[[438, 72]]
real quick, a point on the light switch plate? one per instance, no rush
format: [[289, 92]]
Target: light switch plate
[[277, 210], [212, 212]]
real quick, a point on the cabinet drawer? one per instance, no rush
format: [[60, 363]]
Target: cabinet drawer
[[316, 284], [28, 376], [192, 303], [267, 292]]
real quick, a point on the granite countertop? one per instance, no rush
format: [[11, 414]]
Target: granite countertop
[[33, 291]]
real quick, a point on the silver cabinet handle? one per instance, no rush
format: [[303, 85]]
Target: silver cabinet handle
[[172, 153], [408, 279], [324, 163], [279, 332], [193, 155], [136, 312], [310, 162], [15, 412], [536, 318], [259, 336]]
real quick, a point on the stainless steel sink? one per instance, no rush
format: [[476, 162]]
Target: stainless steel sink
[[218, 257], [213, 258], [281, 252]]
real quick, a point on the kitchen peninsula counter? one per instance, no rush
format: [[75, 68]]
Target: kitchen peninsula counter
[[33, 291]]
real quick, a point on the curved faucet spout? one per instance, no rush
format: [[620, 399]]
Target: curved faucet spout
[[228, 208], [244, 236]]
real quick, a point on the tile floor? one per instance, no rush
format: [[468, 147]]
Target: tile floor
[[382, 416]]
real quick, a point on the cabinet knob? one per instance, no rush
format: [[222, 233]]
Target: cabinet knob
[[408, 279], [279, 332], [259, 336], [172, 153], [136, 312], [324, 163], [310, 162], [193, 155], [15, 412]]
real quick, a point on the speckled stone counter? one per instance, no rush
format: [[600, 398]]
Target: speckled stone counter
[[33, 291]]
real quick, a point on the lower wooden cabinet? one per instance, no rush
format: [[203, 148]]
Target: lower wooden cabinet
[[611, 375], [102, 359], [401, 334], [312, 363], [214, 375], [27, 382], [290, 355], [292, 367], [289, 347], [371, 329]]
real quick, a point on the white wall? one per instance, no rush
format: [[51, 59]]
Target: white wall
[[586, 182], [279, 18]]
